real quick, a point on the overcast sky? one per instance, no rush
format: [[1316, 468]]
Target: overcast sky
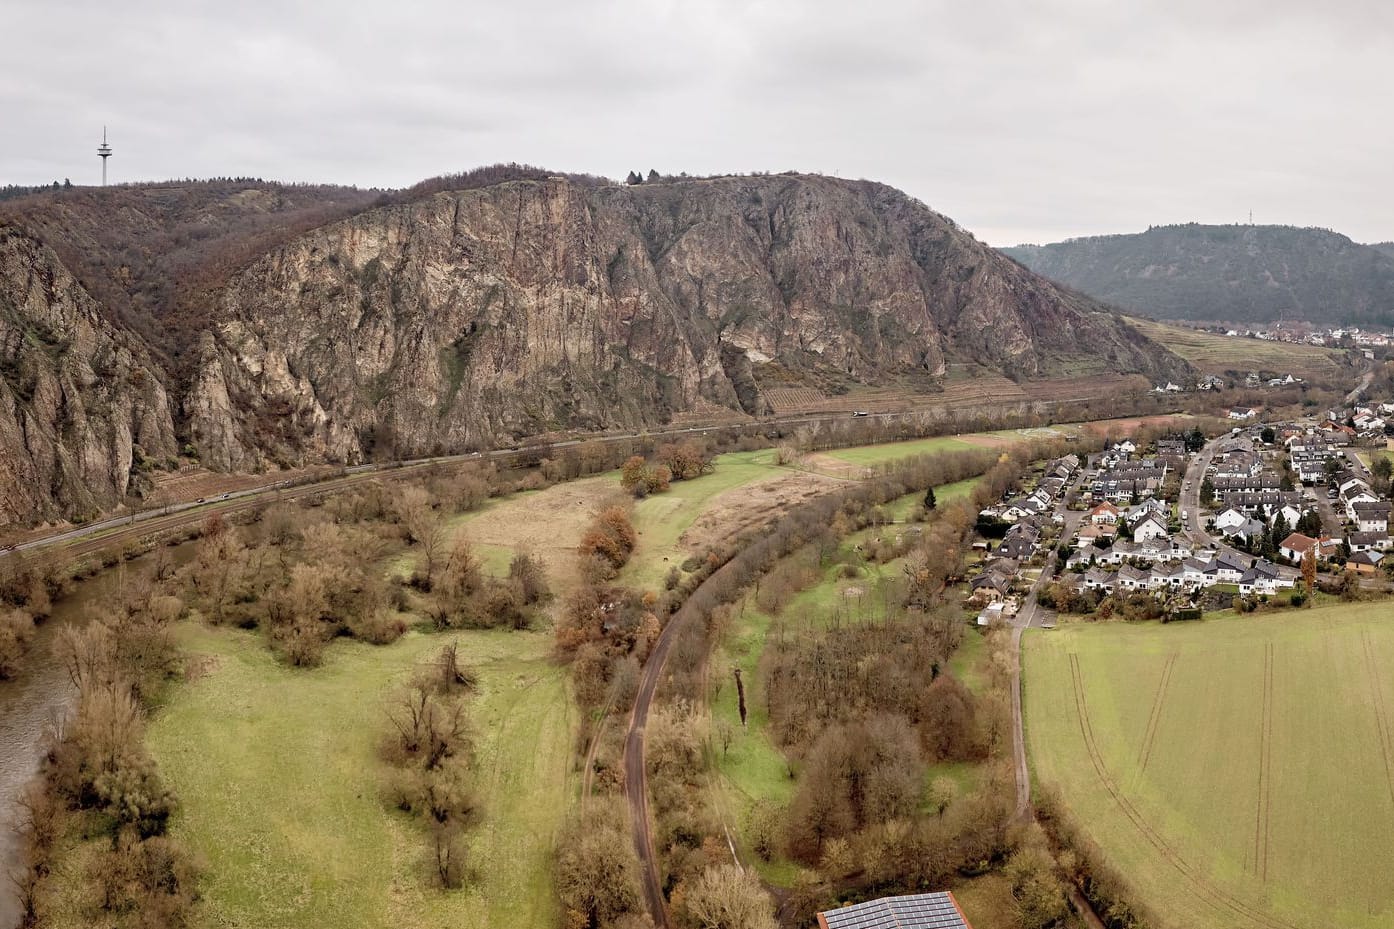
[[1025, 122]]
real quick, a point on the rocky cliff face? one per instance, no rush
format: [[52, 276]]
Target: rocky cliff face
[[79, 401], [470, 316], [445, 318]]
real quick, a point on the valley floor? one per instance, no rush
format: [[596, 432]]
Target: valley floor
[[1236, 770]]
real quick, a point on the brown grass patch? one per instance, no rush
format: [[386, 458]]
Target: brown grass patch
[[200, 666], [733, 511], [549, 523]]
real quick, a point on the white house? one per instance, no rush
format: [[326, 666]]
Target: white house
[[1130, 578], [1290, 514], [1231, 518], [1346, 483], [1099, 579], [1104, 514], [1226, 571], [1354, 503], [1149, 529], [1372, 517], [1296, 546], [1193, 573]]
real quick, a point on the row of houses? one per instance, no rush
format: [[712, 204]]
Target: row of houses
[[1123, 478], [1031, 513], [1193, 574], [1122, 551]]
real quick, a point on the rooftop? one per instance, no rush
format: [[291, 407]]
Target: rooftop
[[915, 911]]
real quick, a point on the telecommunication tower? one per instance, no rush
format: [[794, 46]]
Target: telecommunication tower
[[104, 152]]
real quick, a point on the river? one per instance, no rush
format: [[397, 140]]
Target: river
[[37, 699]]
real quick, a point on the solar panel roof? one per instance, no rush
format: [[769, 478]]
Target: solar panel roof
[[915, 911]]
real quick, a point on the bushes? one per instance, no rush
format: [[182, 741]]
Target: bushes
[[641, 480], [597, 872], [100, 766], [857, 775], [610, 540], [685, 460], [16, 632], [728, 897], [428, 745], [152, 881], [823, 678]]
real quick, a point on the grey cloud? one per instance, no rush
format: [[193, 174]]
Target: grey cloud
[[1022, 122]]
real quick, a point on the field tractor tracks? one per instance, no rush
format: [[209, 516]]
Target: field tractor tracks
[[1204, 890], [1149, 738], [1264, 808], [1386, 737]]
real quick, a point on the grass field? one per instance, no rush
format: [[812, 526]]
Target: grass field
[[867, 455], [277, 775], [1238, 771], [1367, 456], [745, 491], [1214, 353]]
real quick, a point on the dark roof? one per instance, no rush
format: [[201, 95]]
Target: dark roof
[[915, 911]]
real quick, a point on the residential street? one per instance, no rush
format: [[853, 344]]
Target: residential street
[[1195, 520]]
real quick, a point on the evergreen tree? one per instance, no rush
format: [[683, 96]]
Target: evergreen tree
[[653, 175], [929, 501], [633, 179]]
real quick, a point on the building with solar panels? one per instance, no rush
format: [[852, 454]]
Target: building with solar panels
[[915, 911]]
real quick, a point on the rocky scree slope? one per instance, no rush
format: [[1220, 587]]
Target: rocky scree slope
[[1227, 273]]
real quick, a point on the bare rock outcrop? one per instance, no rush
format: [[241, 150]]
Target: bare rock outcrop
[[470, 316], [79, 401]]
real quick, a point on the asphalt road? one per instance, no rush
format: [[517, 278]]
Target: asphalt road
[[1195, 519], [1033, 614]]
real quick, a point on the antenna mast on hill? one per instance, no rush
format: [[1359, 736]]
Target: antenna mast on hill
[[104, 152], [1251, 217]]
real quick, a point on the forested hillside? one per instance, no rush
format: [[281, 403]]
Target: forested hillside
[[1231, 273]]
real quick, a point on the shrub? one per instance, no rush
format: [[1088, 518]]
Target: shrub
[[16, 632]]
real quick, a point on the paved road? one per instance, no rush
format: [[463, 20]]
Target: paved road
[[1033, 614], [1195, 518]]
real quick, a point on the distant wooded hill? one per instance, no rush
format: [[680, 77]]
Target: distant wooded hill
[[1236, 273]]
